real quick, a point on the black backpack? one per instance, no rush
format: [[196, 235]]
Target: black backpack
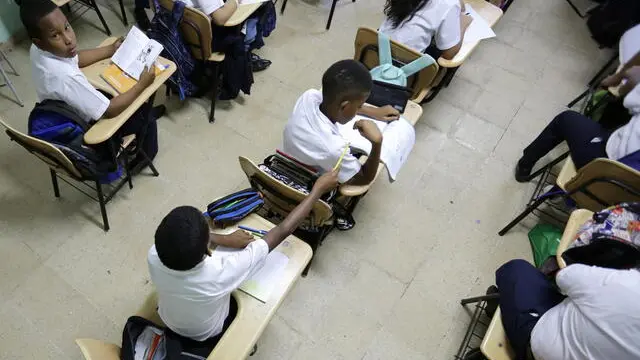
[[609, 21], [57, 123]]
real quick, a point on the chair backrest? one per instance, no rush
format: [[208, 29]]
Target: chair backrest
[[495, 345], [195, 28], [45, 151], [93, 349], [603, 183], [366, 51], [281, 198]]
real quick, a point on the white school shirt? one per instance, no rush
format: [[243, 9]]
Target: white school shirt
[[626, 139], [311, 138], [599, 319], [57, 78], [629, 44], [195, 303], [437, 18], [206, 6]]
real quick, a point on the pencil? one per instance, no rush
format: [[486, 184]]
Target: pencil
[[344, 152]]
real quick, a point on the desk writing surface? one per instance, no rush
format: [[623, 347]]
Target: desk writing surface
[[60, 3], [105, 128], [491, 14], [242, 13], [253, 315]]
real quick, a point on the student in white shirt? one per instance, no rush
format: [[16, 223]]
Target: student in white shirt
[[599, 319], [220, 12], [587, 139], [419, 24], [55, 66], [194, 284], [311, 134]]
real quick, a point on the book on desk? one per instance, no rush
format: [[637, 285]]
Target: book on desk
[[136, 53]]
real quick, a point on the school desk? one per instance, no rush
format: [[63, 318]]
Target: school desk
[[242, 13], [92, 4], [104, 129], [576, 220], [252, 316], [412, 113], [491, 14]]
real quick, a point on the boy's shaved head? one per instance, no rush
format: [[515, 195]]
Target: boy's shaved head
[[345, 80], [32, 11]]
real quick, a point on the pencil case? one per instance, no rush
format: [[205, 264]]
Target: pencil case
[[234, 207]]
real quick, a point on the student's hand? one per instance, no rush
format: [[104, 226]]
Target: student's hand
[[612, 80], [632, 76], [148, 76], [238, 239], [466, 20], [369, 131], [325, 183], [385, 113], [117, 44]]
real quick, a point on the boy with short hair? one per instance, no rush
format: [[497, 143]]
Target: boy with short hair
[[312, 136], [194, 284], [55, 67]]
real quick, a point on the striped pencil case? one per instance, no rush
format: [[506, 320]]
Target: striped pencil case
[[234, 207]]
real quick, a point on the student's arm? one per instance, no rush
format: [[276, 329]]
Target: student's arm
[[223, 14], [91, 56], [452, 30], [122, 101], [325, 183], [368, 172], [574, 279], [237, 240], [384, 113], [615, 79]]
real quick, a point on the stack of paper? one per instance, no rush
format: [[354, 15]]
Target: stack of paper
[[261, 284], [479, 29]]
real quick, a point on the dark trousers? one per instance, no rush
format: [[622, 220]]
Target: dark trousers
[[586, 139], [525, 295], [145, 129], [202, 348], [141, 4]]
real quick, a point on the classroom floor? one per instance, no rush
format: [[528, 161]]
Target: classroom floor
[[389, 288]]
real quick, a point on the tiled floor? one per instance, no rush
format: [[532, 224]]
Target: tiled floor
[[388, 289]]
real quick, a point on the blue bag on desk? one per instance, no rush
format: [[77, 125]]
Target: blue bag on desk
[[234, 207]]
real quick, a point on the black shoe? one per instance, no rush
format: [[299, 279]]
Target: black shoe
[[158, 111], [258, 63], [142, 19], [344, 223], [523, 172], [492, 305]]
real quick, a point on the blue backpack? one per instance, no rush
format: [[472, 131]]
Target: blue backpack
[[387, 72], [165, 29]]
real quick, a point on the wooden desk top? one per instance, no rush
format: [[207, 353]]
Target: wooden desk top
[[495, 344], [491, 14], [253, 316], [412, 113], [242, 13], [60, 3], [105, 128], [576, 220]]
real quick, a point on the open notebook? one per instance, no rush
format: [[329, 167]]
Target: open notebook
[[260, 285], [398, 140]]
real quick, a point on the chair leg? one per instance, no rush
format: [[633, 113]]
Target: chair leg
[[316, 239], [6, 59], [104, 23], [10, 84], [54, 182], [127, 170], [124, 13], [103, 206], [479, 298], [284, 5], [523, 214], [214, 94], [578, 98], [333, 8], [151, 166]]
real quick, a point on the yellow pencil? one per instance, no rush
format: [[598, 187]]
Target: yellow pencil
[[344, 152]]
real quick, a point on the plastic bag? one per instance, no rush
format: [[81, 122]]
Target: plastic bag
[[544, 240]]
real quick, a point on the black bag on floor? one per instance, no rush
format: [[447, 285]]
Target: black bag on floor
[[608, 22]]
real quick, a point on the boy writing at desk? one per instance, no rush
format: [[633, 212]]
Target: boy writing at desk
[[55, 67], [194, 284], [312, 135]]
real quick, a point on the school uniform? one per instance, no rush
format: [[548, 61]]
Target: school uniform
[[58, 78], [195, 303], [437, 20], [313, 139]]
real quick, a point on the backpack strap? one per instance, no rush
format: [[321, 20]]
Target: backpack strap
[[384, 49], [156, 6], [58, 107], [176, 14], [418, 64]]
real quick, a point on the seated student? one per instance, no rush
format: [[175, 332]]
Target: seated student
[[596, 314], [311, 135], [586, 138], [55, 67], [220, 12], [418, 23], [194, 284]]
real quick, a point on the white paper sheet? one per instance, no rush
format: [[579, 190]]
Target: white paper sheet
[[479, 29], [136, 52], [261, 284], [398, 140]]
